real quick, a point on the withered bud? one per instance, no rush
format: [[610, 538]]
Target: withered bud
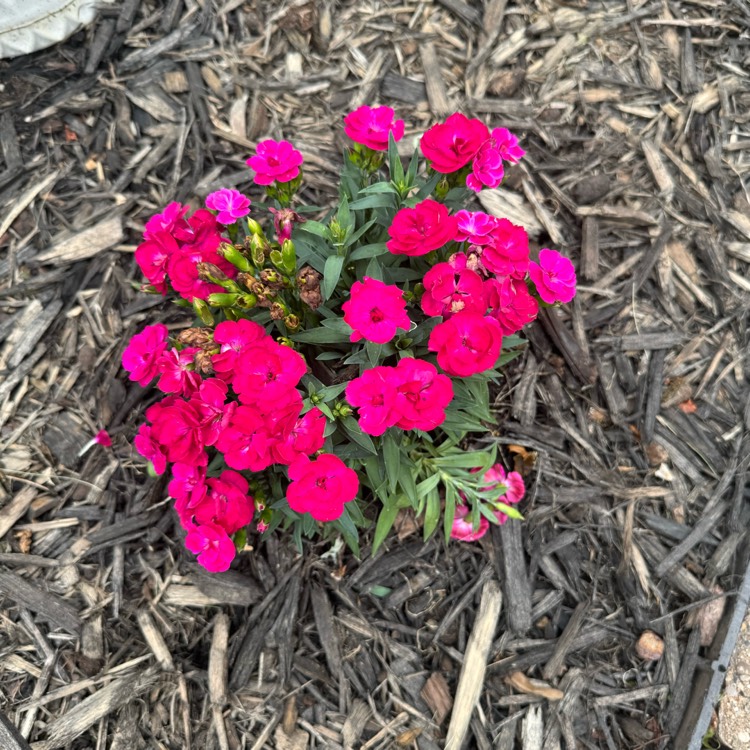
[[292, 323], [308, 281], [277, 311], [246, 279], [209, 272], [203, 362], [271, 278], [201, 337]]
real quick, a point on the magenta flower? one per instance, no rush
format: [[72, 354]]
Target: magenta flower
[[486, 169], [463, 530], [152, 257], [213, 546], [371, 126], [475, 227], [177, 428], [511, 304], [448, 291], [188, 488], [451, 145], [374, 393], [507, 145], [512, 482], [178, 372], [213, 413], [102, 438], [375, 311], [507, 253], [141, 355], [230, 204], [284, 220], [554, 277], [418, 230], [275, 161], [172, 217], [466, 344], [321, 487], [245, 441], [421, 395], [266, 370], [305, 438], [150, 449], [233, 337], [227, 503]]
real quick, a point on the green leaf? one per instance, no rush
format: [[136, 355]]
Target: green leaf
[[427, 485], [431, 513], [373, 352], [378, 590], [385, 520], [330, 392], [344, 216], [348, 529], [315, 227], [450, 510], [369, 251], [322, 335], [378, 187], [395, 166], [354, 237], [374, 270], [426, 190], [331, 274], [372, 201], [392, 457], [408, 485], [351, 427], [509, 510]]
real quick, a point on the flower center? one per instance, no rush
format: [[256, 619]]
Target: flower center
[[376, 315]]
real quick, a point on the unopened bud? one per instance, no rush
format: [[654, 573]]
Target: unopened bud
[[246, 301], [235, 257], [202, 311], [259, 247], [254, 228], [222, 299]]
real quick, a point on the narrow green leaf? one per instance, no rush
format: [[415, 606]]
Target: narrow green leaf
[[450, 510], [378, 187], [385, 523], [368, 251], [373, 352], [329, 393], [427, 485], [431, 513], [396, 167], [392, 457], [351, 427], [315, 227], [331, 274], [426, 190], [381, 200], [374, 270], [354, 237]]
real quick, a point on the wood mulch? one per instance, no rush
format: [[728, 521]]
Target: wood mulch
[[586, 626]]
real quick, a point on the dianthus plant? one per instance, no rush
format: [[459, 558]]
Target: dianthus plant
[[341, 358]]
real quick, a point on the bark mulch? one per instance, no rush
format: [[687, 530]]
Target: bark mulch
[[587, 626]]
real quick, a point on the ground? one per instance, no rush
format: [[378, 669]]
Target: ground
[[629, 412]]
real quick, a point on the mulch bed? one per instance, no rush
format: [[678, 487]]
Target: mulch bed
[[629, 412]]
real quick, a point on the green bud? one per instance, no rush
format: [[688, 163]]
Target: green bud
[[202, 311], [276, 258], [258, 248], [246, 301], [254, 228], [221, 299], [235, 257], [288, 257], [315, 398]]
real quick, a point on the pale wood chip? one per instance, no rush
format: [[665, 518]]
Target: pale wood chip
[[524, 684]]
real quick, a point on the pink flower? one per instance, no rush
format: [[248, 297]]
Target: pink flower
[[230, 204], [245, 441], [511, 304], [507, 253], [212, 544], [475, 227], [375, 310], [275, 161], [454, 143], [102, 438], [152, 257], [267, 369], [507, 145], [371, 126], [167, 221], [512, 483], [141, 355], [177, 429], [188, 488], [227, 503], [421, 395], [213, 413], [305, 438], [233, 338], [374, 393], [176, 373], [418, 230], [150, 449], [466, 344], [321, 487], [554, 277], [284, 220], [463, 530], [448, 291], [486, 169]]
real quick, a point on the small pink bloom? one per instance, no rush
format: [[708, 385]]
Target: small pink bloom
[[245, 441], [448, 291], [150, 449], [141, 355], [213, 413], [178, 372], [284, 220], [230, 204], [475, 227], [305, 438], [102, 438], [374, 393], [511, 304], [507, 252], [261, 527], [466, 344], [233, 338], [507, 144], [275, 161], [486, 169], [177, 428], [152, 257], [188, 488], [418, 230], [266, 369], [422, 394], [212, 544], [554, 277], [453, 144], [321, 487], [172, 217], [463, 529], [512, 483], [371, 126], [375, 311], [227, 503]]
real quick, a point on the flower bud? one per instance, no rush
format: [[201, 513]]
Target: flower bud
[[288, 256], [211, 273], [235, 257], [259, 248], [221, 299], [254, 228], [202, 311], [246, 301], [341, 410], [292, 322], [195, 337]]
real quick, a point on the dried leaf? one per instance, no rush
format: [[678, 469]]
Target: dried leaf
[[523, 684]]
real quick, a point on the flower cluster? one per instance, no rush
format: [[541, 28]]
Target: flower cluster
[[327, 348]]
